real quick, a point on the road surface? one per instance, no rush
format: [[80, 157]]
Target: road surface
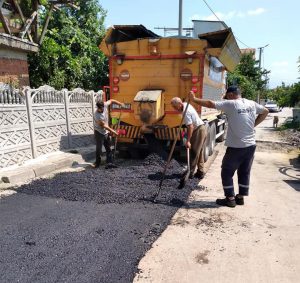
[[257, 242], [97, 226]]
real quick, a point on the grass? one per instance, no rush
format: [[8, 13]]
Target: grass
[[290, 124]]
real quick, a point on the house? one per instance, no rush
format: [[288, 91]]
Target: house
[[19, 37]]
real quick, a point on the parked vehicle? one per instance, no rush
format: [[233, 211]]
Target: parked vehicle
[[272, 106], [146, 71]]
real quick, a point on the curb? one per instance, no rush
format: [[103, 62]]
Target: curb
[[46, 164]]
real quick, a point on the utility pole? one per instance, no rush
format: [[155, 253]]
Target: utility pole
[[261, 49], [179, 29], [180, 19]]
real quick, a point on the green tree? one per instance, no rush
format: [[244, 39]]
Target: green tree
[[69, 56], [249, 77], [27, 6], [286, 95]]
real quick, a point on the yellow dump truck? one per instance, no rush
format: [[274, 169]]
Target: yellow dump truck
[[146, 71]]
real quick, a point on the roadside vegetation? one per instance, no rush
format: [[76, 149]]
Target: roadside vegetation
[[69, 56], [290, 124], [250, 78], [252, 81]]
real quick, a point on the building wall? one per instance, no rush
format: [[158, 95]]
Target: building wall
[[13, 67], [201, 27]]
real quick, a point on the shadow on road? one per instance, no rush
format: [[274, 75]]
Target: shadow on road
[[295, 184], [293, 172]]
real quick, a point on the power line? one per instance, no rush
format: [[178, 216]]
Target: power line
[[211, 10], [221, 21]]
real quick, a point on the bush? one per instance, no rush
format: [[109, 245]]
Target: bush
[[290, 124]]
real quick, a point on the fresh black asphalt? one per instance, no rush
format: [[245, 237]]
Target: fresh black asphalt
[[88, 226]]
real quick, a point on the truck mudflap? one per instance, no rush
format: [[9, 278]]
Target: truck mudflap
[[134, 132]]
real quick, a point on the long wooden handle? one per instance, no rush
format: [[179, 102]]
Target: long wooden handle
[[188, 159], [174, 143], [116, 138]]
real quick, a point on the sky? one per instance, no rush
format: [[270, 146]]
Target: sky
[[255, 24]]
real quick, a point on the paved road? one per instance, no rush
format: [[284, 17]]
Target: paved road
[[257, 242], [86, 226], [75, 228], [266, 131]]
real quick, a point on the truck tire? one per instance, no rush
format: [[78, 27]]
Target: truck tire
[[212, 133], [122, 153], [206, 143]]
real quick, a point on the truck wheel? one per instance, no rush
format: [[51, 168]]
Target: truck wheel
[[212, 133], [123, 154], [134, 153], [206, 144]]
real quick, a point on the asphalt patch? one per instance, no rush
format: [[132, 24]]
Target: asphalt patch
[[88, 226], [131, 181]]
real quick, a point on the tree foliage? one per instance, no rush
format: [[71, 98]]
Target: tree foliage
[[27, 5], [69, 56], [249, 77], [288, 96]]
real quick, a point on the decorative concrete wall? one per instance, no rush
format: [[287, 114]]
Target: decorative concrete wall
[[38, 121]]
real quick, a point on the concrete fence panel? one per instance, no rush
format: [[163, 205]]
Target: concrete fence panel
[[39, 121], [15, 146]]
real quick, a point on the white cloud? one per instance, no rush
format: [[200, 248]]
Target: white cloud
[[230, 15], [221, 16], [256, 12], [280, 64], [240, 14]]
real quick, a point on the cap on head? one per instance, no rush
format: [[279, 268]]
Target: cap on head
[[233, 89], [100, 104]]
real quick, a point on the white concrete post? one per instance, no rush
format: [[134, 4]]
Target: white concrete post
[[30, 122], [68, 122]]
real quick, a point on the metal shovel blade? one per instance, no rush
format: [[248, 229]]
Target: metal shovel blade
[[184, 179]]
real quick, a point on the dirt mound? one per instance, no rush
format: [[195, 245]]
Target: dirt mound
[[291, 136]]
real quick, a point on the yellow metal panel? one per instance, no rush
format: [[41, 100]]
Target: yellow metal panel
[[164, 46]]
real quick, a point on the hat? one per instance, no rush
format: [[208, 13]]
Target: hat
[[233, 88]]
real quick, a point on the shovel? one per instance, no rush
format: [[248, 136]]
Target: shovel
[[187, 174], [116, 138], [171, 153]]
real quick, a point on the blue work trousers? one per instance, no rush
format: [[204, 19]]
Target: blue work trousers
[[240, 160]]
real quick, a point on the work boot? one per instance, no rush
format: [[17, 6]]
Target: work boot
[[239, 199], [111, 165], [226, 202], [199, 175]]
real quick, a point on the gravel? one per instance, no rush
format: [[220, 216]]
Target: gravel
[[291, 136]]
